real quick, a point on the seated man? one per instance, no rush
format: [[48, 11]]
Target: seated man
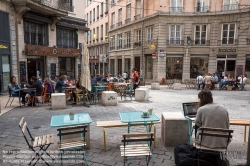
[[39, 88], [212, 115], [214, 81], [242, 81]]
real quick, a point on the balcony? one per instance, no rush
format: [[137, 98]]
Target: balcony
[[137, 44], [137, 17], [230, 7], [112, 26], [112, 48], [228, 42], [176, 9], [200, 42], [175, 42], [57, 8], [119, 47], [127, 21], [119, 24], [201, 9], [127, 46]]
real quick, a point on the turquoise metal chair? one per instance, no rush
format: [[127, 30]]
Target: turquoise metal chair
[[127, 91]]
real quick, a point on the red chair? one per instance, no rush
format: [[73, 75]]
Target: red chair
[[43, 95]]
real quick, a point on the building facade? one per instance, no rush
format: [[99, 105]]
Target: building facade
[[44, 38], [96, 14], [179, 39]]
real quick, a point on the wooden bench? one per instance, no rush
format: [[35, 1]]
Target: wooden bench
[[118, 123], [241, 122]]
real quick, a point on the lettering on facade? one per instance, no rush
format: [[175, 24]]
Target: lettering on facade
[[34, 50], [3, 46], [227, 50]]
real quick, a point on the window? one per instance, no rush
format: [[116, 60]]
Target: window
[[93, 14], [113, 18], [106, 29], [202, 6], [150, 32], [97, 33], [119, 44], [112, 42], [90, 34], [138, 7], [128, 40], [90, 17], [174, 67], [107, 5], [200, 34], [102, 8], [247, 67], [128, 10], [66, 67], [230, 5], [97, 12], [175, 34], [198, 65], [101, 31], [228, 31], [176, 6], [138, 35], [35, 33], [120, 15], [66, 38], [87, 17], [119, 66], [112, 67], [94, 34], [101, 50]]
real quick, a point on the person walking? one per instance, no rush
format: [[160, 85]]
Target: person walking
[[208, 80], [135, 78], [199, 81]]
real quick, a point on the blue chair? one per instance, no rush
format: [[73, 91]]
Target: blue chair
[[127, 91], [15, 95]]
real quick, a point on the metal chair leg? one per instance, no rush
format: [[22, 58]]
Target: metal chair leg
[[12, 101], [7, 102]]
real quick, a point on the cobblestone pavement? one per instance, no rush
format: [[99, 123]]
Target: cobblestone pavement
[[164, 100]]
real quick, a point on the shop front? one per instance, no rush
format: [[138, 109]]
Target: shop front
[[42, 61], [226, 64], [174, 67], [198, 65]]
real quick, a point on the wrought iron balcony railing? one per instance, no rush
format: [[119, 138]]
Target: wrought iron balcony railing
[[228, 42], [175, 42], [201, 42], [202, 9], [112, 48], [127, 20], [119, 47], [57, 4], [137, 17], [128, 45], [119, 24], [230, 7], [112, 26], [176, 9]]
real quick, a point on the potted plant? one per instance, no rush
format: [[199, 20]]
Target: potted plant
[[136, 43], [101, 38], [101, 15], [97, 17], [71, 115], [106, 12]]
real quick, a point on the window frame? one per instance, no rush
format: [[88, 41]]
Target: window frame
[[175, 34], [75, 45], [138, 9], [128, 39], [150, 34], [228, 31], [113, 18], [128, 11], [120, 15], [138, 35], [200, 32]]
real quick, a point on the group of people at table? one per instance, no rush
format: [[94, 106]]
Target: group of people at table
[[28, 89], [209, 81]]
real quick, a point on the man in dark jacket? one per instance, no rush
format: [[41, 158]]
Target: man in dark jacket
[[38, 86]]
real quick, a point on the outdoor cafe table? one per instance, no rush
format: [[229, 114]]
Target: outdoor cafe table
[[63, 120], [120, 86], [136, 117]]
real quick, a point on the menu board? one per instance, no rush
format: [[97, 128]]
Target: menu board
[[52, 70], [79, 69], [22, 68]]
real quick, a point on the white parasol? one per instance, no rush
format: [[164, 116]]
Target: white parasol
[[85, 75]]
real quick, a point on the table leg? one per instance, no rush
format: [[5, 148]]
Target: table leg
[[104, 138], [245, 130], [19, 98], [189, 133], [154, 135]]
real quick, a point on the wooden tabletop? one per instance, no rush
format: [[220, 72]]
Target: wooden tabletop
[[239, 122]]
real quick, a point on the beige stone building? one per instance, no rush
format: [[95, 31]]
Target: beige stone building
[[96, 14], [185, 37], [43, 40]]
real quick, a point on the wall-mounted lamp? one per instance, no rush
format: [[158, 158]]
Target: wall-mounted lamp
[[24, 52], [189, 40]]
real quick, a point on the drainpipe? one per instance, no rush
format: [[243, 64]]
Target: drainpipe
[[142, 45]]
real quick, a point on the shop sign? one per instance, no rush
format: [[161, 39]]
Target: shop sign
[[227, 50], [3, 46], [35, 50]]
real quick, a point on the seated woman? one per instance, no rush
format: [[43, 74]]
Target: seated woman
[[211, 115], [60, 84], [78, 89], [14, 89]]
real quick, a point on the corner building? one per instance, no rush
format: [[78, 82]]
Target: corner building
[[44, 38], [185, 37]]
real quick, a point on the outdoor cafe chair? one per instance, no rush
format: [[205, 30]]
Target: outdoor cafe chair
[[210, 133], [127, 91], [141, 147], [43, 96], [11, 96], [41, 142], [66, 144]]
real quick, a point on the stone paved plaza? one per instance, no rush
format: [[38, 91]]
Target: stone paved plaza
[[163, 100]]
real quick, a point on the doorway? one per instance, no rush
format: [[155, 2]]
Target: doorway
[[36, 67], [149, 67], [4, 73], [226, 66], [138, 64]]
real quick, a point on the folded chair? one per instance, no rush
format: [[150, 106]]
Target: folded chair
[[72, 143], [13, 97], [133, 150], [40, 142], [219, 133]]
